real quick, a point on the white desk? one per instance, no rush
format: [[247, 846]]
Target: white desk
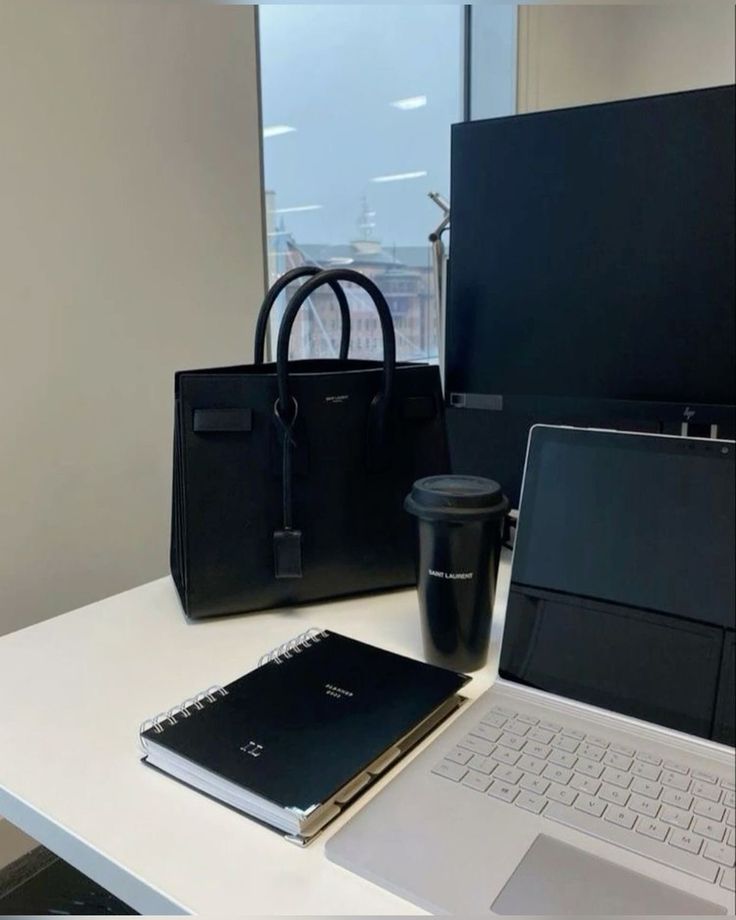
[[74, 692]]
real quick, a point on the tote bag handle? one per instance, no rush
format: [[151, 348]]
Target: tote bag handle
[[302, 271], [285, 407]]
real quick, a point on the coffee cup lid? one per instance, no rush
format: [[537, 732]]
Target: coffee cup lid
[[456, 498]]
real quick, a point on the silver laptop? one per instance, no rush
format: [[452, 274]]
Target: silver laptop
[[596, 776]]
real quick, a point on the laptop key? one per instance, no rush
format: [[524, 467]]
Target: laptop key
[[636, 843], [612, 759], [487, 732], [449, 770], [676, 767], [550, 726], [531, 764], [597, 741], [646, 788], [705, 777], [729, 817], [562, 758], [509, 713], [530, 802], [573, 733], [728, 784], [458, 755], [710, 829], [508, 775], [641, 755], [621, 816], [564, 794], [592, 752], [541, 735], [476, 745], [481, 764], [503, 791], [590, 805], [646, 770], [678, 799], [684, 840], [644, 806], [557, 774], [478, 781], [563, 743], [585, 784], [705, 790], [536, 749], [614, 794], [529, 720], [588, 767], [708, 810], [495, 719], [675, 817], [728, 879], [517, 727], [729, 800], [651, 828], [532, 783], [674, 780], [617, 777], [625, 750], [505, 755], [511, 741]]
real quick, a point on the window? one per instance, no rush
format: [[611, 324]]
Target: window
[[357, 107]]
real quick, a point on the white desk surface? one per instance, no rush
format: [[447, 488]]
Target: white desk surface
[[76, 688]]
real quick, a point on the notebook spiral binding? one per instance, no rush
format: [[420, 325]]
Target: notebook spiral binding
[[294, 646], [184, 710], [187, 708]]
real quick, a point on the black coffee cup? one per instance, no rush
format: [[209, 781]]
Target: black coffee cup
[[460, 525]]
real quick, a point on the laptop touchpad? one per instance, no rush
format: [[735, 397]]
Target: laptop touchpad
[[556, 878]]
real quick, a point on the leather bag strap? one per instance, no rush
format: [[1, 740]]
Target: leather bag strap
[[287, 541], [285, 407], [301, 271]]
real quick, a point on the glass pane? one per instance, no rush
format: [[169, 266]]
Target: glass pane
[[357, 107], [493, 60]]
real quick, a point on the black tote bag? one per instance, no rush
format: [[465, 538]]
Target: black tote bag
[[289, 478]]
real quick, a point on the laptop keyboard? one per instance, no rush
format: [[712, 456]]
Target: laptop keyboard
[[661, 809]]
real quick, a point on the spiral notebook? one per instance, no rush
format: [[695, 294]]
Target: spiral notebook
[[294, 741]]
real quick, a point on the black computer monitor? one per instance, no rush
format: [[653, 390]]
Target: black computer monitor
[[591, 275]]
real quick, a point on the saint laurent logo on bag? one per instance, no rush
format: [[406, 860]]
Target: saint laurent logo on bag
[[452, 576], [343, 397]]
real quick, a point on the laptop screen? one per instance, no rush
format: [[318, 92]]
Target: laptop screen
[[622, 587]]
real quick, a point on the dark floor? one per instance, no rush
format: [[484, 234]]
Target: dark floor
[[41, 884]]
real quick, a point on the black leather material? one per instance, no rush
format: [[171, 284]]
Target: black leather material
[[361, 432], [222, 420]]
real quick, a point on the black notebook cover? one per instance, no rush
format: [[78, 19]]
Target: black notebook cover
[[297, 730]]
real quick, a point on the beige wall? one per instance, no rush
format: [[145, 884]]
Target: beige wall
[[130, 245], [576, 54]]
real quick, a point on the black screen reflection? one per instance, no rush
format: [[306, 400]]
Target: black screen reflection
[[653, 667]]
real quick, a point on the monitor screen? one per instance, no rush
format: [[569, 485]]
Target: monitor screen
[[592, 252], [591, 276], [622, 591]]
